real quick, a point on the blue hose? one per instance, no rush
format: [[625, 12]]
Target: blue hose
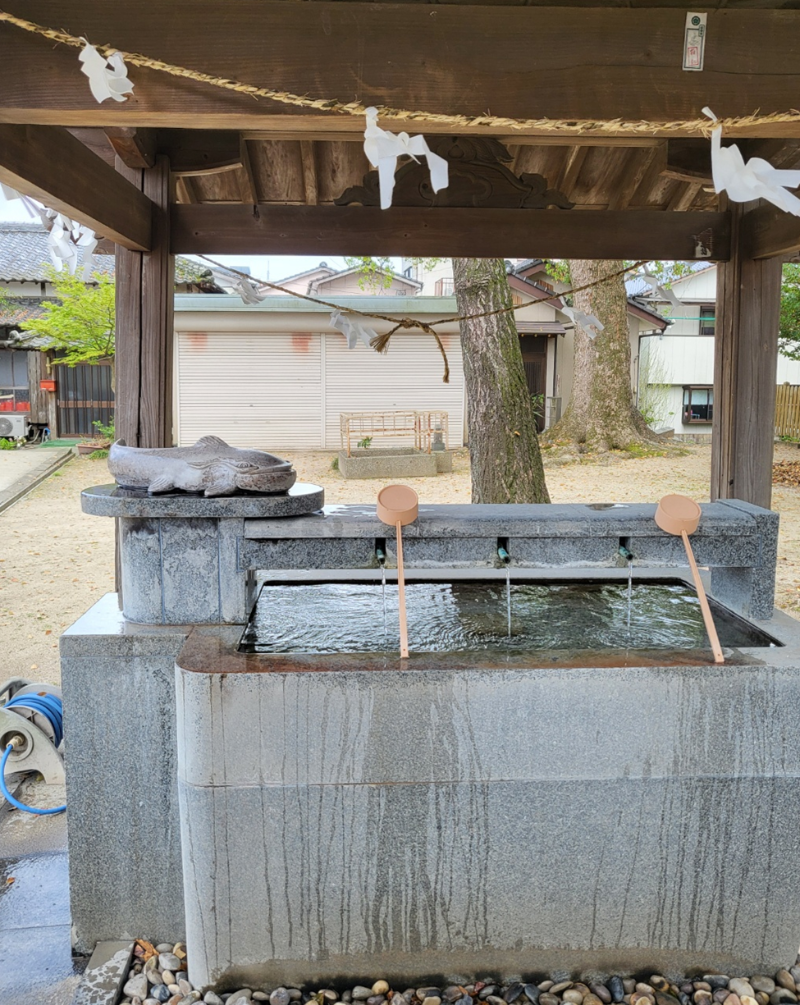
[[50, 707]]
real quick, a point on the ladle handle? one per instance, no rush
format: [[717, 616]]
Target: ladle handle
[[401, 595], [701, 594]]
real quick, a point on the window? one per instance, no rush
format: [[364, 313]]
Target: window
[[708, 319], [443, 288], [14, 393], [698, 404]]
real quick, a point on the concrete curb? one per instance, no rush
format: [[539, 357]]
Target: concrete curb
[[23, 485]]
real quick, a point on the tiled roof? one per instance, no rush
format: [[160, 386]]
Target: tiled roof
[[24, 257], [15, 310]]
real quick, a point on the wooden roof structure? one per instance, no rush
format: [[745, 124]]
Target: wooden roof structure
[[603, 159]]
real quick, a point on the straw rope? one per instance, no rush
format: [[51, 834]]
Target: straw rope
[[701, 125], [381, 342]]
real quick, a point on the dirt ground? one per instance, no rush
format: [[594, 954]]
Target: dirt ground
[[55, 561]]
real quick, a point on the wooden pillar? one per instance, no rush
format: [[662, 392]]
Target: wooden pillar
[[144, 306], [745, 369]]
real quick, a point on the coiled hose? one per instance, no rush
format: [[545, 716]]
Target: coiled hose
[[48, 705]]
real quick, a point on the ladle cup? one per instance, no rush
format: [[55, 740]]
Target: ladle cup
[[398, 505], [680, 516]]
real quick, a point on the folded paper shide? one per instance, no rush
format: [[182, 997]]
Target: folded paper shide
[[586, 321], [108, 78], [352, 330], [383, 149], [755, 178]]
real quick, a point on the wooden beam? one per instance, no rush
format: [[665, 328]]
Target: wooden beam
[[51, 165], [144, 296], [134, 147], [620, 63], [769, 232], [200, 151], [308, 157], [479, 233], [688, 160], [745, 362]]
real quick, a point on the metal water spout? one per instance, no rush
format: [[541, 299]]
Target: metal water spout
[[626, 553]]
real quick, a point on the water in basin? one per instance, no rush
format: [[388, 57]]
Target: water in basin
[[471, 616]]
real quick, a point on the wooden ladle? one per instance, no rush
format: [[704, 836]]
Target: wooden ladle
[[398, 505], [680, 515]]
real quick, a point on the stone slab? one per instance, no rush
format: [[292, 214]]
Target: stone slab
[[110, 500], [378, 463], [119, 724], [558, 817], [22, 470], [105, 974]]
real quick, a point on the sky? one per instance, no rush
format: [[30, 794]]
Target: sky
[[270, 267]]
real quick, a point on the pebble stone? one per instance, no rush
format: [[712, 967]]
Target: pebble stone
[[360, 994], [169, 961], [532, 993], [380, 988], [243, 997], [763, 983], [617, 988], [545, 985], [558, 988], [136, 986], [602, 992], [629, 984], [280, 996], [512, 992], [210, 998], [572, 995], [740, 987], [262, 996], [785, 979], [432, 1000]]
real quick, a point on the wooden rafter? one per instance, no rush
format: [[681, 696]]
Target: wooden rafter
[[51, 165], [134, 147], [684, 196], [571, 170], [637, 166], [248, 182], [308, 157], [355, 230], [451, 58], [768, 232]]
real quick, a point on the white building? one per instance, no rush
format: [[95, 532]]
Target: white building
[[676, 371]]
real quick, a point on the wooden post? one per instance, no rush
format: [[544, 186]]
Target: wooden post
[[144, 346], [745, 368]]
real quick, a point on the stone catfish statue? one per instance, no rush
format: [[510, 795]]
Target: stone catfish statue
[[210, 466]]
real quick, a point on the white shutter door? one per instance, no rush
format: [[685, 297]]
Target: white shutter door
[[409, 376], [260, 390]]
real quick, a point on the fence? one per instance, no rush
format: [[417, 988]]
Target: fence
[[787, 411]]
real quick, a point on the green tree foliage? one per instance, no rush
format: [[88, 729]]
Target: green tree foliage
[[80, 326], [376, 271], [789, 330]]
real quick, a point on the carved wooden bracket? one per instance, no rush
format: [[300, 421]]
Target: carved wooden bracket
[[478, 177]]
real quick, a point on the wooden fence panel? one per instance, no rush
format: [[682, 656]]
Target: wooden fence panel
[[787, 411]]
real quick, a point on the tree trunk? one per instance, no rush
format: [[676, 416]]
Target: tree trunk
[[601, 413], [503, 445]]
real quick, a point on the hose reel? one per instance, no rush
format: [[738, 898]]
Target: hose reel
[[31, 721]]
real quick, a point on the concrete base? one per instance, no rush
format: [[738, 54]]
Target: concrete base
[[119, 724], [394, 462], [449, 821]]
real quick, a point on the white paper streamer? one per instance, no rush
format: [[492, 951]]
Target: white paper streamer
[[248, 292], [383, 148], [352, 330], [108, 78], [662, 291], [586, 321], [755, 179]]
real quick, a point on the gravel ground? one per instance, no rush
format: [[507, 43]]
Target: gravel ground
[[160, 974], [55, 561]]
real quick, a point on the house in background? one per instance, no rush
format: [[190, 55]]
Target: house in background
[[676, 372], [82, 394]]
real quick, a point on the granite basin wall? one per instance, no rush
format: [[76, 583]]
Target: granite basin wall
[[443, 822], [189, 560], [118, 681], [394, 462]]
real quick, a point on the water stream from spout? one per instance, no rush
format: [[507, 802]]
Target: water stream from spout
[[508, 598], [383, 591], [630, 592]]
